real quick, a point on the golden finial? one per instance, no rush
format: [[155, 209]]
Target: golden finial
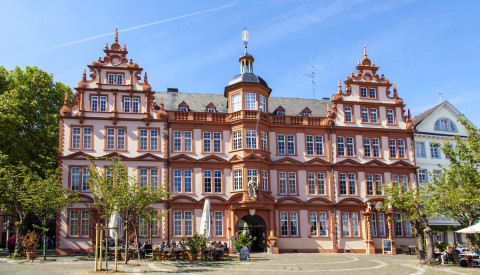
[[65, 101], [124, 47], [106, 46], [116, 35], [359, 62], [409, 116], [84, 77], [339, 86], [373, 63], [146, 78], [364, 52]]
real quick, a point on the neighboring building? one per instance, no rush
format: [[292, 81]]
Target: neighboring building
[[319, 164], [437, 125]]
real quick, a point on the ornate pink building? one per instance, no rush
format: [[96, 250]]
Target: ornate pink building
[[318, 164]]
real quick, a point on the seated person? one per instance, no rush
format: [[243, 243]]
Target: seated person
[[476, 250], [447, 254], [225, 247], [162, 246]]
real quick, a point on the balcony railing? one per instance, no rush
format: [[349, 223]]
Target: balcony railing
[[244, 114]]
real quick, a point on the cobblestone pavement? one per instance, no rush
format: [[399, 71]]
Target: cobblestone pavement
[[260, 263]]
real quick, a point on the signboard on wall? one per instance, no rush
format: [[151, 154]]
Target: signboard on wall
[[387, 246]]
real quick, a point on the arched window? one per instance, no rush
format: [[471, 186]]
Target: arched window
[[445, 124]]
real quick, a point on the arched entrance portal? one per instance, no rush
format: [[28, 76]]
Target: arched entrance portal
[[255, 227]]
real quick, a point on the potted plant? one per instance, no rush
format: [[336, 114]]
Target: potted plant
[[30, 241], [241, 241], [195, 244]]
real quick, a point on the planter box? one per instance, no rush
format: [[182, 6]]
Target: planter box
[[31, 255], [192, 257]]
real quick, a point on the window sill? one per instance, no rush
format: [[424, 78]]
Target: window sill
[[319, 237]]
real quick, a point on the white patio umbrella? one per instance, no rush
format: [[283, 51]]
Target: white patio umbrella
[[116, 220], [471, 229], [206, 223]]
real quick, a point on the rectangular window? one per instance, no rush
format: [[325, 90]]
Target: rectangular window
[[292, 183], [319, 145], [395, 180], [177, 141], [237, 140], [143, 139], [84, 226], [85, 179], [370, 187], [373, 93], [264, 138], [177, 181], [81, 138], [420, 150], [341, 146], [398, 225], [323, 224], [321, 183], [401, 148], [408, 228], [316, 184], [363, 92], [135, 104], [154, 179], [73, 226], [154, 228], [263, 104], [119, 79], [207, 141], [217, 181], [282, 181], [154, 140], [343, 183], [265, 180], [284, 223], [422, 175], [187, 181], [352, 184], [313, 225], [76, 137], [350, 146], [250, 101], [207, 181], [393, 148], [187, 141], [346, 224], [177, 223], [218, 223], [281, 144], [348, 114], [390, 116], [373, 224], [291, 144], [188, 223], [217, 142], [236, 102], [311, 184], [251, 138], [87, 138], [94, 103], [237, 180], [143, 177], [126, 104], [355, 225], [103, 104], [143, 226], [75, 178], [376, 147], [367, 149], [293, 224], [111, 79], [310, 145], [378, 185], [434, 151], [404, 180], [381, 224], [364, 115], [120, 139], [115, 137], [373, 115]]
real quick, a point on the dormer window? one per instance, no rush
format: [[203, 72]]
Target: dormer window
[[306, 112], [280, 113], [211, 108], [115, 79], [445, 124], [183, 107]]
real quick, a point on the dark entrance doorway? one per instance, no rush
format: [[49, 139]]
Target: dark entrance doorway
[[255, 227]]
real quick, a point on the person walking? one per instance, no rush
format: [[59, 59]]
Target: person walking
[[11, 244]]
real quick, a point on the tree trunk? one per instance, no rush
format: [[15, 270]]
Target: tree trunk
[[44, 246], [470, 240], [18, 243], [420, 238], [430, 249], [126, 245], [136, 242]]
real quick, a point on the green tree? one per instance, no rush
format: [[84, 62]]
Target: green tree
[[116, 191], [456, 191], [50, 198], [29, 104], [414, 203]]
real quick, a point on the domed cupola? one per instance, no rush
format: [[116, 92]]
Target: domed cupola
[[246, 67]]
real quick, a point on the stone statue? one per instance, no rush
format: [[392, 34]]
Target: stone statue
[[252, 188]]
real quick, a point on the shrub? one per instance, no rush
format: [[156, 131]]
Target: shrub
[[243, 240], [30, 240]]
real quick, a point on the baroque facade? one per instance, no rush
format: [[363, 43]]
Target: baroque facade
[[318, 164]]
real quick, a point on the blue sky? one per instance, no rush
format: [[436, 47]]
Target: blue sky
[[426, 47]]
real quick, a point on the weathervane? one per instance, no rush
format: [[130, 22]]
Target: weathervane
[[312, 67], [245, 37]]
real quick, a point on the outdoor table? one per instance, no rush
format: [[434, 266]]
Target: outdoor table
[[470, 257]]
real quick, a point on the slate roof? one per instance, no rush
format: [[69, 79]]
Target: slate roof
[[198, 103], [247, 77], [419, 118]]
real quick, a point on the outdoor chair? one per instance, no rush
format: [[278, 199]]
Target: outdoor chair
[[218, 253], [167, 254], [456, 258]]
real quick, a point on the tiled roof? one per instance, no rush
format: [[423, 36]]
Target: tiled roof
[[419, 118], [198, 103]]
